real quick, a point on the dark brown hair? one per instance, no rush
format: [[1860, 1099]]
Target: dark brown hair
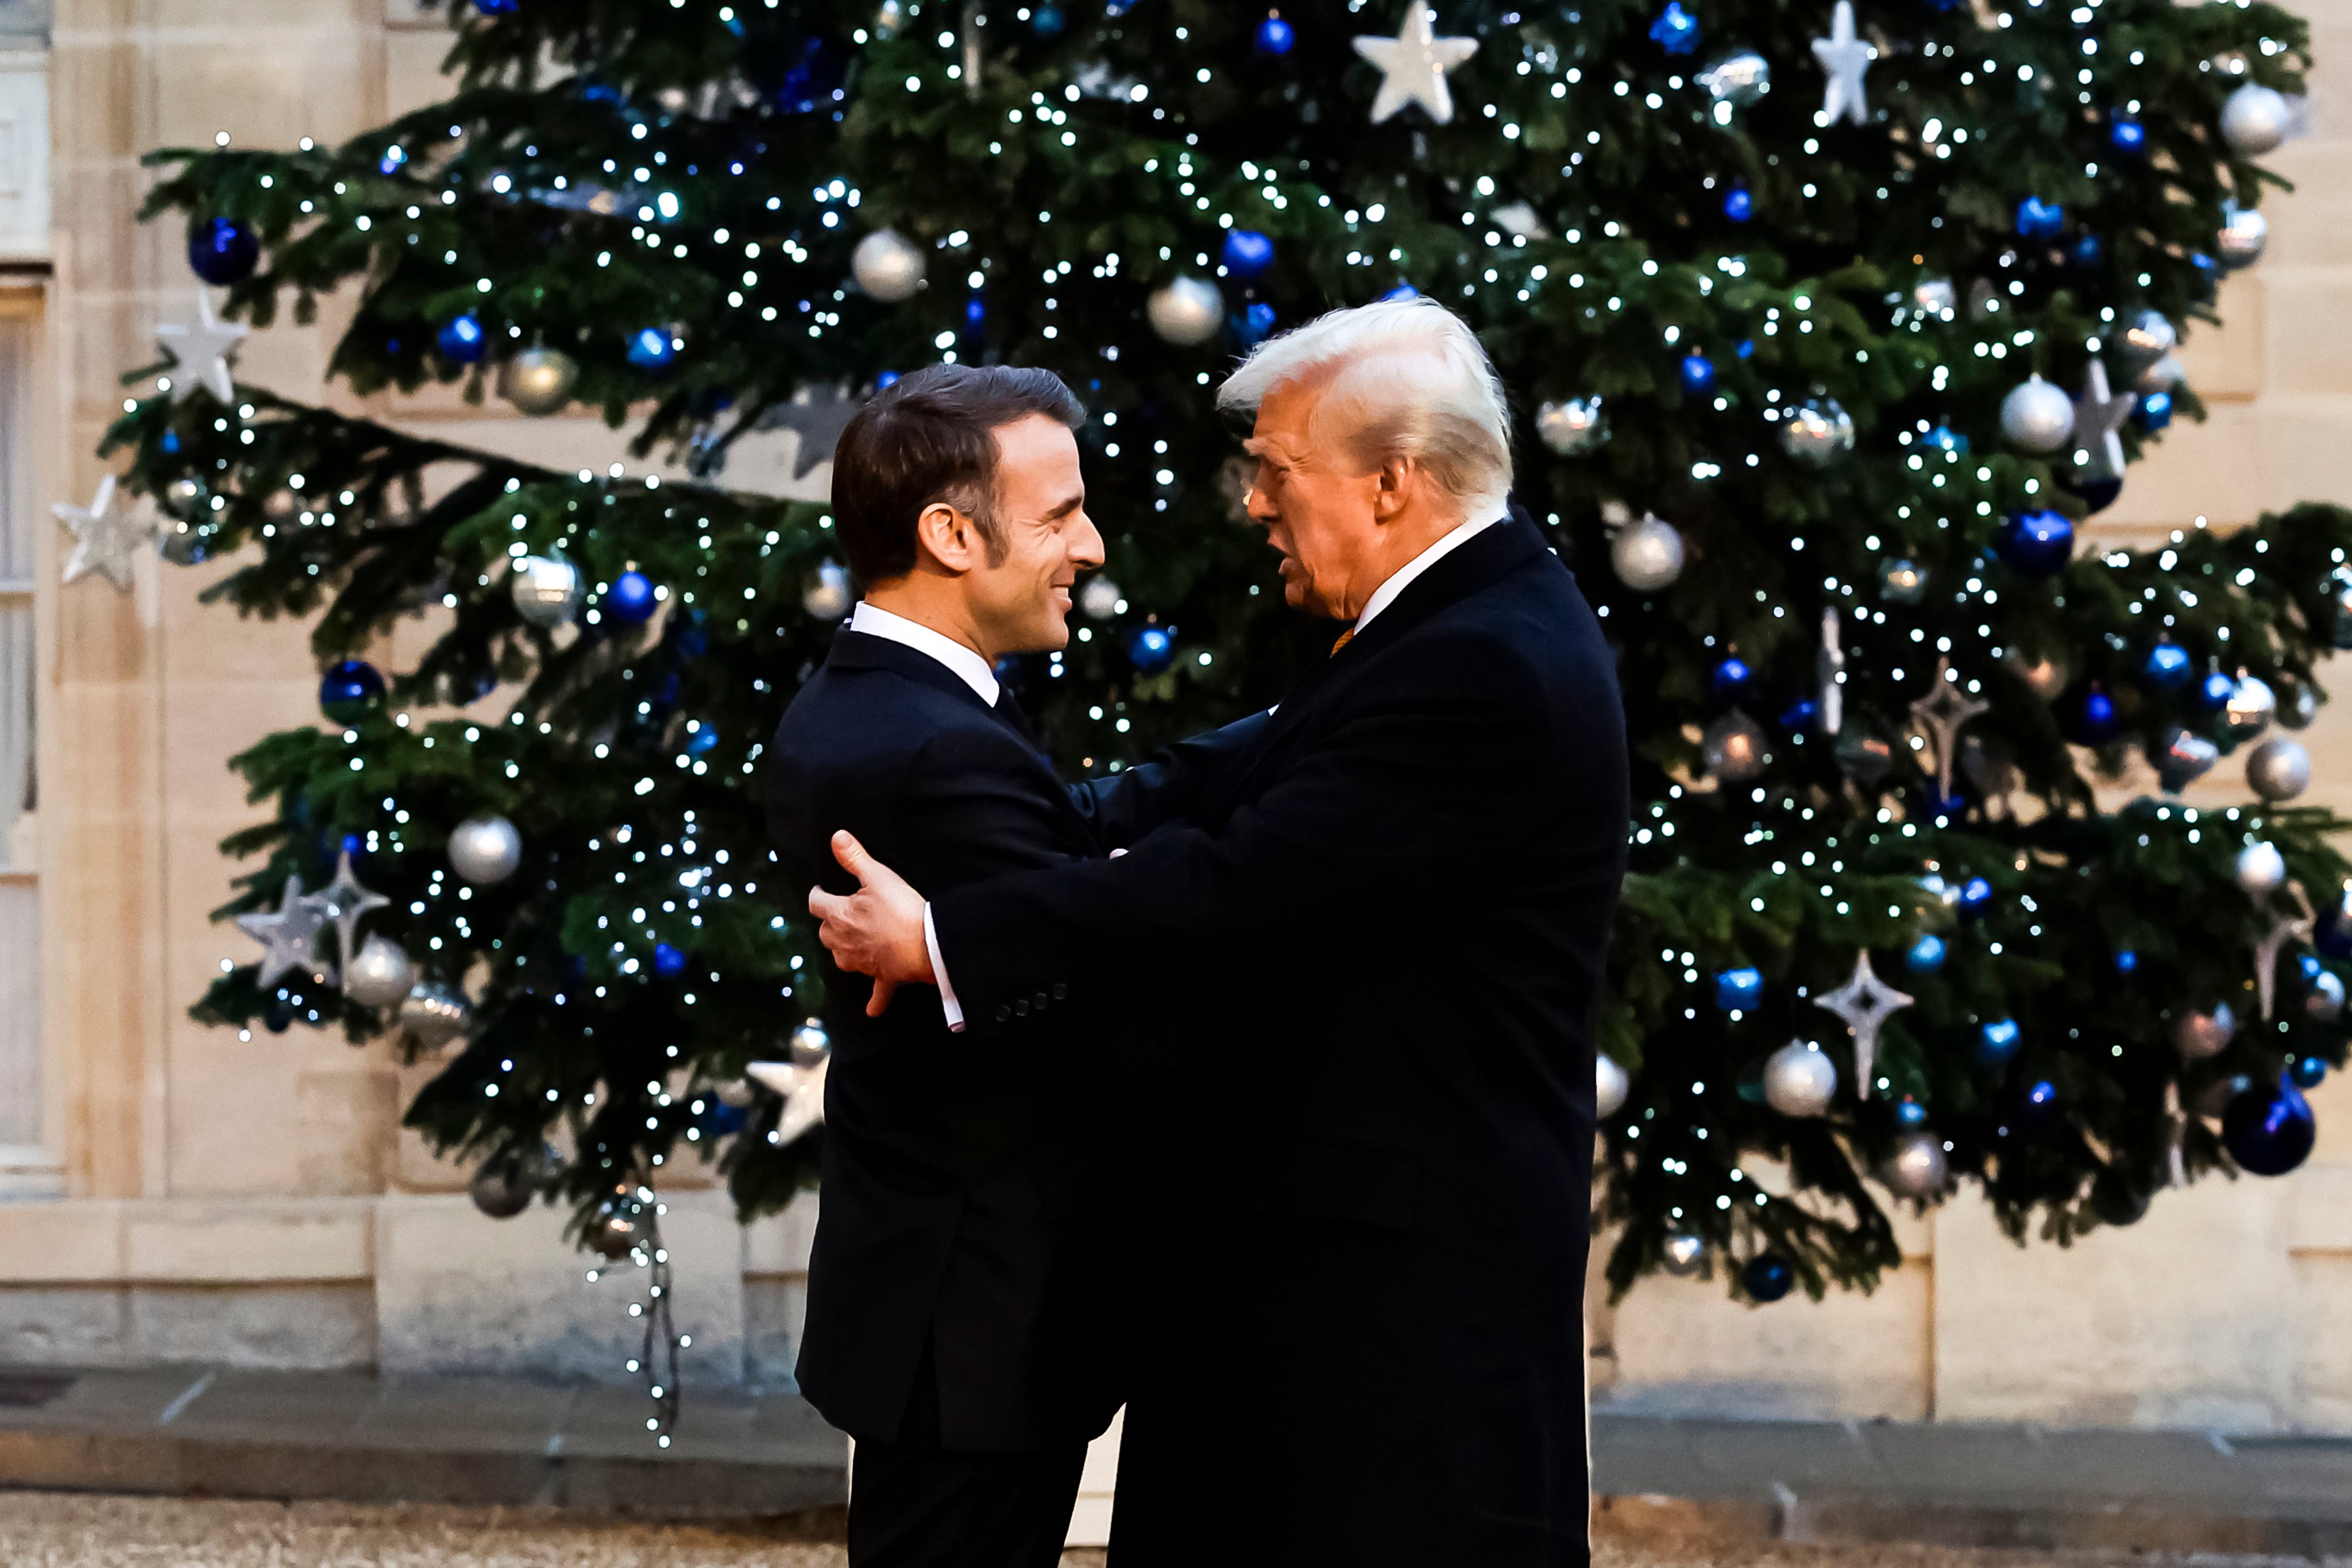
[[930, 437]]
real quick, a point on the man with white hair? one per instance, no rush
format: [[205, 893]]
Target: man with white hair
[[1382, 927]]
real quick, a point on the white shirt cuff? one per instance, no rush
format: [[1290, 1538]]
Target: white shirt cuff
[[948, 1002]]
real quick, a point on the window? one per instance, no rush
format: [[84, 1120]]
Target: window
[[24, 1160]]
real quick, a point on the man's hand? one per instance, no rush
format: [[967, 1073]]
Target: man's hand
[[876, 930]]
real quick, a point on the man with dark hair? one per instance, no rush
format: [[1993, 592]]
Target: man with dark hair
[[957, 1325]]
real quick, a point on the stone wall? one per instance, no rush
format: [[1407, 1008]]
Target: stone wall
[[253, 1200]]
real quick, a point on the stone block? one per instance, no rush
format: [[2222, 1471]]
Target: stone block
[[60, 1242], [2310, 330], [343, 1141], [2226, 363], [775, 1310], [2184, 1319], [250, 1242], [2211, 471], [282, 1327], [459, 1292], [1677, 1346], [780, 1243], [65, 1325]]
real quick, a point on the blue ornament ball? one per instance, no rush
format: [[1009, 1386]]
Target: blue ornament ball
[[631, 598], [349, 690], [1248, 253], [1275, 36], [2333, 934], [1675, 30], [2038, 219], [1256, 324], [2155, 410], [2087, 252], [497, 7], [653, 348], [1909, 1113], [2125, 135], [1926, 955], [2308, 1072], [1998, 1041], [1739, 990], [1738, 203], [1046, 21], [720, 1118], [2089, 718], [2038, 544], [1151, 650], [1799, 716], [2126, 962], [1769, 1277], [2213, 693], [2270, 1129], [1733, 680], [887, 378], [1697, 373], [223, 251], [462, 340], [1976, 898], [1403, 291], [2097, 492], [667, 960], [2170, 666], [703, 742]]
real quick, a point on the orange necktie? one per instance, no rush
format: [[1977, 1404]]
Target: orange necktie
[[1345, 639]]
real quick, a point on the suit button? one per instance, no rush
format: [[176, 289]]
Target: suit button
[[1021, 1009], [1003, 1014], [1061, 991], [1041, 1001]]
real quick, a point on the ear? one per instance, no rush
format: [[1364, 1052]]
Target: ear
[[1395, 483], [945, 541]]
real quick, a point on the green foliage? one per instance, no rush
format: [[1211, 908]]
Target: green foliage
[[611, 166]]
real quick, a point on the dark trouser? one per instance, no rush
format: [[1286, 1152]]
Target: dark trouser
[[913, 1504]]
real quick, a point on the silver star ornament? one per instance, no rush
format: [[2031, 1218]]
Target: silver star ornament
[[106, 541], [1414, 64], [347, 903], [201, 352], [1941, 713], [817, 415], [1844, 57], [290, 933], [2099, 415], [1865, 1002], [2297, 926]]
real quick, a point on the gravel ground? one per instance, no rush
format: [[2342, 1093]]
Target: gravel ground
[[50, 1529]]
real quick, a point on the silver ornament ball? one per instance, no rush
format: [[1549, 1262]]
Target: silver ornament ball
[[1739, 80], [828, 596], [538, 381], [1647, 555], [2255, 119], [2252, 707], [2149, 338], [1917, 1169], [2278, 769], [2044, 677], [1684, 1254], [1610, 1086], [2037, 416], [2202, 1035], [184, 497], [2262, 870], [379, 976], [2322, 1002], [619, 1225], [484, 849], [1568, 428], [2184, 758], [811, 1045], [547, 590], [2242, 236], [1186, 311], [1736, 748], [888, 266], [1819, 433], [1101, 599], [1800, 1079], [507, 1183], [433, 1016]]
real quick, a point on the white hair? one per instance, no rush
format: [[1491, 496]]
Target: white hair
[[1402, 378]]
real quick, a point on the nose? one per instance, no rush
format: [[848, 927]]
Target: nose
[[1086, 543], [1261, 509]]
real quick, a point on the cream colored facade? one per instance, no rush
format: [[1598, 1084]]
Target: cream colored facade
[[189, 1195]]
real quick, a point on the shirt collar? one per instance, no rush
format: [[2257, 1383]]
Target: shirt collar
[[967, 666], [1386, 594]]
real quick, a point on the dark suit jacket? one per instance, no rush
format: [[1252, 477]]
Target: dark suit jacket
[[964, 1201], [1386, 923]]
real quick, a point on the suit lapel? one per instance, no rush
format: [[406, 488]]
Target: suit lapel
[[1486, 559]]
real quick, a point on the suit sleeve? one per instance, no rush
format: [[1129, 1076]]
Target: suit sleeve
[[1387, 819], [1124, 806]]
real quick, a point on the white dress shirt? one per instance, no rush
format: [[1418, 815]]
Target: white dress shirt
[[974, 671], [1383, 597]]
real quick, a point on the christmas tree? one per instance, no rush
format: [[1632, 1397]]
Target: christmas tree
[[1828, 327]]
